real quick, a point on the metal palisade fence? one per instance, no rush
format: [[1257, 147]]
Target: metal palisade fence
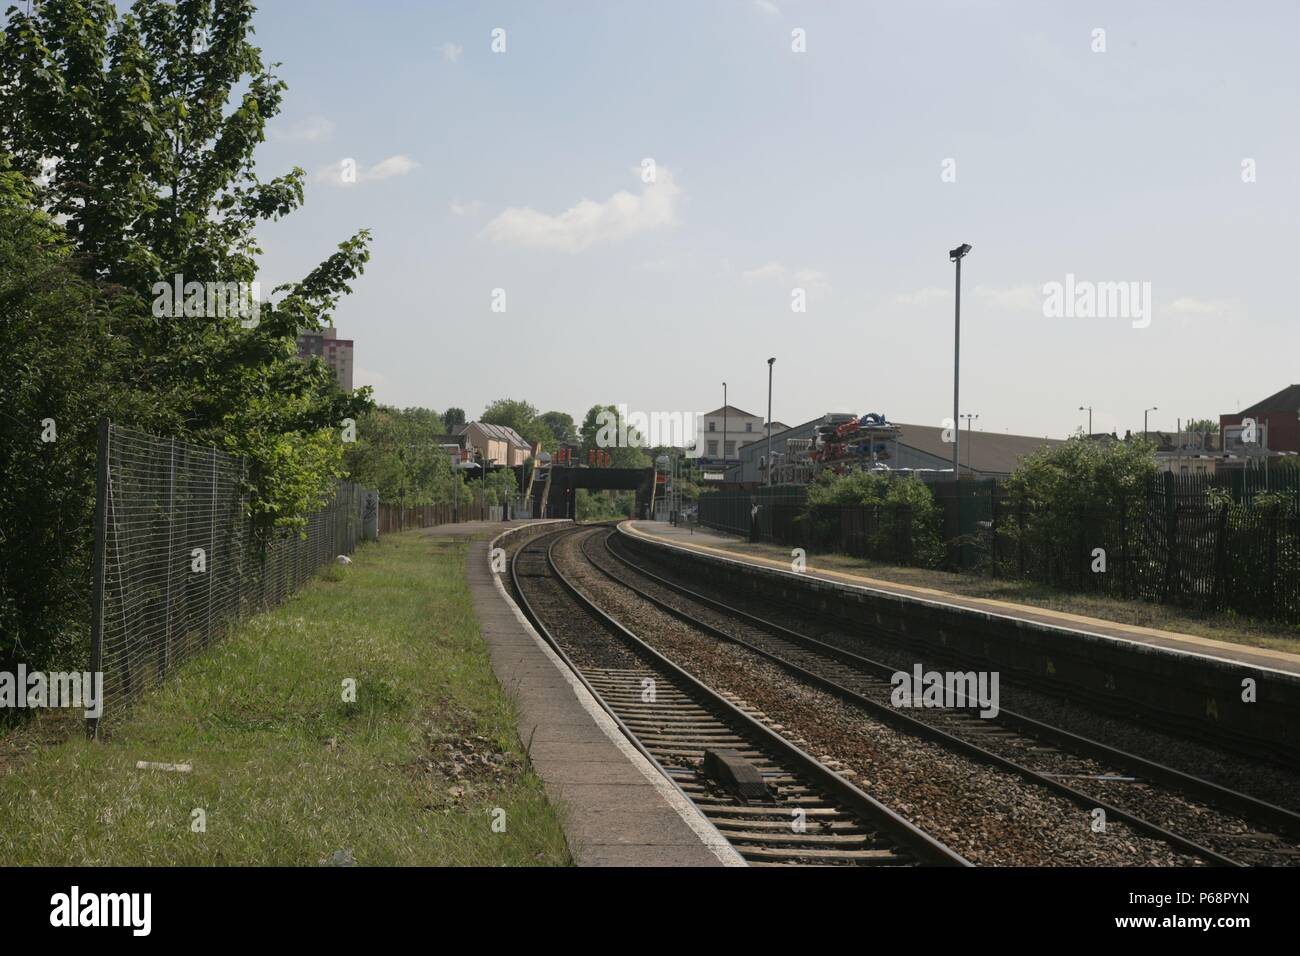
[[176, 561], [1229, 542]]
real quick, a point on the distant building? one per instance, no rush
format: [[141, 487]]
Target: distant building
[[333, 351], [1277, 425], [915, 447], [496, 444], [741, 429]]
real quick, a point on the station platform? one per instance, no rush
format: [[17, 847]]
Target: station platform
[[617, 809], [722, 545]]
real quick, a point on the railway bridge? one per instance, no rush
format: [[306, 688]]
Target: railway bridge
[[554, 491]]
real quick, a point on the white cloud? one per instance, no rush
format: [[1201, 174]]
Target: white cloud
[[813, 280], [1013, 297], [766, 6], [312, 129], [922, 297], [1020, 297], [1192, 307], [469, 208], [336, 174], [451, 52], [621, 215]]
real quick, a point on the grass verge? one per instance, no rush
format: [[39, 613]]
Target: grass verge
[[286, 771], [1227, 627]]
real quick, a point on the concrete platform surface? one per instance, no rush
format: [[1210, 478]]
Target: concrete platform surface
[[616, 807], [720, 544]]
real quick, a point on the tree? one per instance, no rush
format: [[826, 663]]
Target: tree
[[453, 418], [60, 373], [603, 428], [523, 418], [125, 161], [124, 121], [561, 426], [397, 454]]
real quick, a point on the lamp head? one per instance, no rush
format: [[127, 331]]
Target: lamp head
[[959, 252]]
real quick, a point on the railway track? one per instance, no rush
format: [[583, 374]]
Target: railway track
[[1091, 774], [776, 804]]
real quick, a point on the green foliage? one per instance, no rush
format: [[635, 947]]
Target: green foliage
[[601, 429], [397, 454], [498, 486], [523, 418], [153, 143], [1081, 474], [905, 508], [852, 488], [603, 505], [561, 426], [453, 418]]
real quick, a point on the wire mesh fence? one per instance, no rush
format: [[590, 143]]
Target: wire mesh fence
[[177, 561]]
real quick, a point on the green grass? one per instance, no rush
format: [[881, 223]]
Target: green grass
[[286, 771], [1216, 626]]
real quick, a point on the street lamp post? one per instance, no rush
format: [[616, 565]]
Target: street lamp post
[[969, 417], [1153, 408], [1089, 410], [724, 431], [770, 363], [956, 256]]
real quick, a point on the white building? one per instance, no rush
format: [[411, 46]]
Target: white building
[[724, 431]]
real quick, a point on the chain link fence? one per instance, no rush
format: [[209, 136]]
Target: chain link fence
[[176, 560]]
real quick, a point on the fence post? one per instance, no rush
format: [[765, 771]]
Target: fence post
[[212, 546], [1274, 519], [171, 555], [1123, 544], [1020, 537], [1219, 588], [98, 569], [1171, 538]]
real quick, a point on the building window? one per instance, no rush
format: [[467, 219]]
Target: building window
[[713, 448], [713, 426], [731, 449], [749, 426]]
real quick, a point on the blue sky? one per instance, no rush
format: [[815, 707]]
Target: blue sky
[[820, 170]]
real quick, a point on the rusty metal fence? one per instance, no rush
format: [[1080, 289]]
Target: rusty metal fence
[[176, 561]]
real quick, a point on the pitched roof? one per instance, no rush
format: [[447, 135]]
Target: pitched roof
[[1285, 400], [500, 432], [731, 411], [988, 452]]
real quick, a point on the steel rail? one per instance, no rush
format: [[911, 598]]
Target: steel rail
[[913, 725], [923, 847]]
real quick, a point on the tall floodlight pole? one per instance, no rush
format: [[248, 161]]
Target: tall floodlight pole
[[1153, 408], [724, 431], [1089, 410], [957, 255], [770, 363]]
